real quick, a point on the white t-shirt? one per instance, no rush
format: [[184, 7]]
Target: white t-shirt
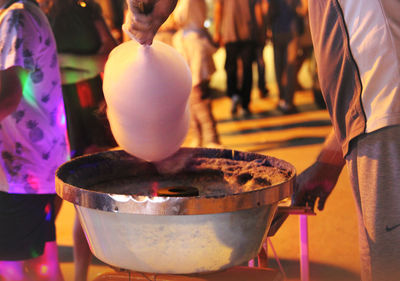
[[357, 47], [33, 140]]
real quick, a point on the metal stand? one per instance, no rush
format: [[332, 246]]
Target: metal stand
[[302, 212], [304, 260], [237, 273]]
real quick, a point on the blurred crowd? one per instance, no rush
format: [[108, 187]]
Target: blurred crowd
[[197, 29], [85, 32], [242, 29], [52, 106]]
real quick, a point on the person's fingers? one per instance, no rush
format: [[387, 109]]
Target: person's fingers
[[139, 26], [304, 198], [310, 199], [142, 6], [142, 32], [321, 201], [144, 38], [145, 18], [301, 190], [139, 22], [142, 20]]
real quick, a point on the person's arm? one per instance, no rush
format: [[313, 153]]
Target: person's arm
[[170, 24], [11, 89], [217, 22], [331, 152], [145, 17], [318, 181], [259, 16], [264, 7], [108, 42], [85, 63], [258, 12], [302, 9], [75, 68]]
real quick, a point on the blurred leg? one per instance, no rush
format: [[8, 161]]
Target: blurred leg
[[231, 68], [247, 55], [12, 271], [43, 268], [279, 58], [46, 267], [82, 253], [195, 126], [232, 75], [203, 112], [261, 70], [291, 57]]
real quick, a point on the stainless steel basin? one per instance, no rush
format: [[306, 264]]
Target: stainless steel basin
[[144, 230]]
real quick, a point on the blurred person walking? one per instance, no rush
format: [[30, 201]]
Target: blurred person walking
[[260, 45], [236, 29], [286, 17], [194, 42], [357, 48]]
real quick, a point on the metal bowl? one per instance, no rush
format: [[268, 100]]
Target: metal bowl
[[169, 233]]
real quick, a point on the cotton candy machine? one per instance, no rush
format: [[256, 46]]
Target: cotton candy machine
[[203, 210]]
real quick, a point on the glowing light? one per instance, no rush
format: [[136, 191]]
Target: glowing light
[[43, 269], [207, 23], [61, 119], [82, 4], [85, 95], [27, 90], [47, 210], [34, 253], [11, 270], [154, 189], [33, 182]]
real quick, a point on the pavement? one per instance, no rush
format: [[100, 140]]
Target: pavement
[[295, 138]]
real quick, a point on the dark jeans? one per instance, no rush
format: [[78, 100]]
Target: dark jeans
[[245, 51], [260, 67], [285, 55]]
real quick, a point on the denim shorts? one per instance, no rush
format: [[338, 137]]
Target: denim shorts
[[26, 224]]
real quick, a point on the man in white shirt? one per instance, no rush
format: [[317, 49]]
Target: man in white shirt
[[357, 47]]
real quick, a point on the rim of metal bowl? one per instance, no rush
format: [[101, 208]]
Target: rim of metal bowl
[[159, 205]]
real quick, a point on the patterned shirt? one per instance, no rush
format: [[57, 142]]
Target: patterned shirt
[[33, 138]]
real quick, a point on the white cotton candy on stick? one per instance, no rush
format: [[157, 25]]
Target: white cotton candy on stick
[[146, 89]]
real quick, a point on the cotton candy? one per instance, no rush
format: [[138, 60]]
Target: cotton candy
[[146, 89]]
